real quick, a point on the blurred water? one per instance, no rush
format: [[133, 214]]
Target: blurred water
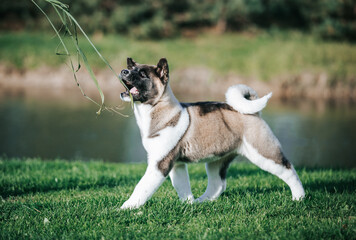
[[311, 135]]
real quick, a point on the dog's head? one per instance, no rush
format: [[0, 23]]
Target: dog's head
[[145, 83]]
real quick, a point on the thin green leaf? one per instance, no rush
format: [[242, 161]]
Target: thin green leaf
[[85, 60], [68, 20], [86, 63]]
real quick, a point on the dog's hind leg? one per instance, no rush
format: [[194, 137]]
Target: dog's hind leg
[[278, 166], [216, 177], [180, 180]]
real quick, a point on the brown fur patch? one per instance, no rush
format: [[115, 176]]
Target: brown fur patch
[[208, 107], [153, 135], [166, 164], [285, 162], [225, 164], [174, 121], [160, 119], [210, 134]]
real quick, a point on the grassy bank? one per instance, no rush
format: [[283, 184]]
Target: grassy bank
[[78, 200], [262, 56]]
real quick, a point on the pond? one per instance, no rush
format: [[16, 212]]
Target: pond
[[312, 134]]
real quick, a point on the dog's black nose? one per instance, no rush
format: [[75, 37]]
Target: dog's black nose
[[125, 72]]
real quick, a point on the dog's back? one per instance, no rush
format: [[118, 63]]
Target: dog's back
[[214, 130]]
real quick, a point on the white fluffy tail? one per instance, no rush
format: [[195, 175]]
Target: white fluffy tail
[[245, 100]]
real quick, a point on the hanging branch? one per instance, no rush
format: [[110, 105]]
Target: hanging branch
[[70, 26]]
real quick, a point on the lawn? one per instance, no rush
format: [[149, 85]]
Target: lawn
[[262, 56], [79, 200]]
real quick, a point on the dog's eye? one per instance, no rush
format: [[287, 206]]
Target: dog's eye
[[143, 74]]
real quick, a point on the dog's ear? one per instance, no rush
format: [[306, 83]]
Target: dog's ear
[[162, 70], [131, 63]]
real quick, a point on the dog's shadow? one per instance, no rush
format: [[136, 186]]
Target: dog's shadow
[[70, 184]]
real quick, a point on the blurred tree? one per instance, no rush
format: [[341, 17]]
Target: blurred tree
[[330, 19]]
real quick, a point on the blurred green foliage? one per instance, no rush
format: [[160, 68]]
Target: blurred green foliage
[[262, 56], [329, 19]]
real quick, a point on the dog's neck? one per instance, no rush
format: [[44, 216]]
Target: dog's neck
[[168, 98], [150, 117]]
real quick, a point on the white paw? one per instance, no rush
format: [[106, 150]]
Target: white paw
[[188, 199], [299, 196], [199, 200], [204, 199], [129, 205]]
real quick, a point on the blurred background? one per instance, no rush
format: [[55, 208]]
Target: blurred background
[[303, 51]]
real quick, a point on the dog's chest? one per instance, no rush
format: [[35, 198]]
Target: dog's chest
[[143, 118], [162, 142]]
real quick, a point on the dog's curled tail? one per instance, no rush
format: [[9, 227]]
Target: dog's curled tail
[[245, 100]]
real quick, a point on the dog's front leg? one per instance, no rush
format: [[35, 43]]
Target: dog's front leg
[[146, 187]]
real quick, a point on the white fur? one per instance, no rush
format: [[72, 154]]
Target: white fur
[[289, 176], [145, 188], [126, 98], [157, 148], [180, 180], [235, 98], [216, 185], [143, 117]]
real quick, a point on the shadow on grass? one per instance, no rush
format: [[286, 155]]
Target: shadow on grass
[[326, 185], [332, 187], [243, 191], [67, 184], [339, 186], [233, 171]]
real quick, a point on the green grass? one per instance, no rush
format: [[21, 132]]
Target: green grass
[[262, 56], [80, 200]]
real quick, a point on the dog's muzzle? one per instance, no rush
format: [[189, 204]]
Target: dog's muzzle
[[125, 96]]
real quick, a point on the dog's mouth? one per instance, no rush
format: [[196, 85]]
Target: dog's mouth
[[131, 89], [134, 91]]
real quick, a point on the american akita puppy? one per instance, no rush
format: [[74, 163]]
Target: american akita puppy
[[175, 134]]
